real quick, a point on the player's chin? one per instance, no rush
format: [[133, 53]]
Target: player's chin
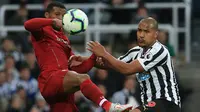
[[141, 44]]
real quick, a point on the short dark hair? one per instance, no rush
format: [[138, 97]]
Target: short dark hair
[[54, 4]]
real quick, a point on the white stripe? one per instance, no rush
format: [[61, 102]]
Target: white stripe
[[165, 82], [102, 101], [156, 83], [172, 82], [149, 93]]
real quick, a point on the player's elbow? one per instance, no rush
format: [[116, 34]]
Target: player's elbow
[[27, 25]]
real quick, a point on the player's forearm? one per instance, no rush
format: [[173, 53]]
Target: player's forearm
[[86, 66], [37, 23], [118, 65]]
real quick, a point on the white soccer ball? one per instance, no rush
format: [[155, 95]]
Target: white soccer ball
[[75, 21]]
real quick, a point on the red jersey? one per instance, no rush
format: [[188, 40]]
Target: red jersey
[[52, 48]]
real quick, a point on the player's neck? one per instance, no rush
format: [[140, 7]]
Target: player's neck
[[146, 48]]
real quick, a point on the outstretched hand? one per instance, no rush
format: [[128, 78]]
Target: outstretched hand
[[96, 48]]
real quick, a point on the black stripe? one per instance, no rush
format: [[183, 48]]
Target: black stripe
[[142, 91], [145, 91], [136, 56], [155, 56], [176, 84], [161, 82], [164, 60], [153, 88], [169, 83], [129, 60], [130, 51]]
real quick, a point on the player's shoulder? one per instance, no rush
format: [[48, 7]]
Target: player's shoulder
[[135, 49], [158, 48]]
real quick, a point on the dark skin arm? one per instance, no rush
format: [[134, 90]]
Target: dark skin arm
[[122, 67]]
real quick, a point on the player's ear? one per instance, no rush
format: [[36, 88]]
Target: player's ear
[[156, 36], [46, 14]]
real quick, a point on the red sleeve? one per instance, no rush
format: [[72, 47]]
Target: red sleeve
[[86, 66], [37, 23]]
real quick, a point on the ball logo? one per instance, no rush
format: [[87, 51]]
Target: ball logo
[[148, 56]]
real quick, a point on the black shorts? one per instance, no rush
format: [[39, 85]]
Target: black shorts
[[160, 106]]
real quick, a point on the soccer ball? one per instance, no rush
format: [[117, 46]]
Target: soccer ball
[[75, 21]]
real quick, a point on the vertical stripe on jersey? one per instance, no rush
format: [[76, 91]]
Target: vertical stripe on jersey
[[169, 81], [165, 82], [161, 82], [176, 86], [145, 91], [153, 85], [156, 84], [142, 92], [172, 79], [149, 91]]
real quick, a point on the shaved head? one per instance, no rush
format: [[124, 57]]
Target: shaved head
[[152, 23]]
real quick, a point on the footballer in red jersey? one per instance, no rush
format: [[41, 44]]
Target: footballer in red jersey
[[58, 82]]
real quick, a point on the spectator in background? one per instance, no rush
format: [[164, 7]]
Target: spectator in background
[[16, 105], [10, 69], [21, 92], [20, 38], [40, 104], [20, 16], [3, 92], [141, 12], [132, 40], [120, 16], [32, 64], [163, 38], [29, 84], [126, 95], [100, 76], [8, 48]]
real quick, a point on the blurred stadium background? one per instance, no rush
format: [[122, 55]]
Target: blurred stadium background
[[114, 24]]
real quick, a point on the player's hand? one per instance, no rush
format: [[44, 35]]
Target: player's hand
[[100, 61], [96, 48], [75, 60], [57, 23]]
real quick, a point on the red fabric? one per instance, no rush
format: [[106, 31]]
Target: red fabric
[[52, 49], [86, 66], [37, 23], [53, 92], [93, 93]]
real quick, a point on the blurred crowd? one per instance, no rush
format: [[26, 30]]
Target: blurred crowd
[[19, 70]]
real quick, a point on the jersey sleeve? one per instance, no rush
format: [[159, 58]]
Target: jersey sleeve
[[128, 57], [37, 24], [153, 58], [86, 66]]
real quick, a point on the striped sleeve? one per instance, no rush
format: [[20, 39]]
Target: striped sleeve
[[155, 57], [128, 57]]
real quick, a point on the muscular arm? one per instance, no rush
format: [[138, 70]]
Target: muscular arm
[[36, 24], [124, 68], [86, 66]]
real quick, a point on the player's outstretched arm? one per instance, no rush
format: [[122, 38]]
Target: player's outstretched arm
[[36, 24], [124, 68], [85, 66]]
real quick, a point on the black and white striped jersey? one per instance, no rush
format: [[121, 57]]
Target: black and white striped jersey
[[158, 81]]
